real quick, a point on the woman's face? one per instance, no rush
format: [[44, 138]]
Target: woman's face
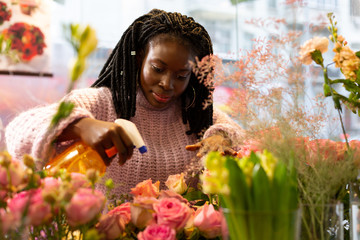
[[165, 71]]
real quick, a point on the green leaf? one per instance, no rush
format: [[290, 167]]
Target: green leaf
[[357, 54], [317, 57], [64, 110], [239, 191], [336, 100], [196, 195], [195, 234], [261, 189], [261, 218]]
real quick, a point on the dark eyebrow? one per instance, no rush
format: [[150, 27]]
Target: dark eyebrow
[[162, 62]]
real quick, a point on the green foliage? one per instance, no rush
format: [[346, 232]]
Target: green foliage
[[235, 2], [260, 208], [64, 110]]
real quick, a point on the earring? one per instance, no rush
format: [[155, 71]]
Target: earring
[[193, 100]]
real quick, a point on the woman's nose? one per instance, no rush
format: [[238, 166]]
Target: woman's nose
[[167, 82]]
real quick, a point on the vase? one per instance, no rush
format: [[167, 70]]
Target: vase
[[255, 225], [322, 221], [354, 205]]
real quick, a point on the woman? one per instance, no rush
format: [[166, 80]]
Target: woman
[[147, 80]]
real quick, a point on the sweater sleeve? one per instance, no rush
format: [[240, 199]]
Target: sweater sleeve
[[29, 132], [223, 124]]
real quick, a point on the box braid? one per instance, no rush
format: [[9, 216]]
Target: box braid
[[121, 71]]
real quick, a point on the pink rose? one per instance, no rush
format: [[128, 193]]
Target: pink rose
[[176, 183], [146, 189], [157, 232], [17, 175], [171, 194], [38, 210], [84, 206], [114, 222], [7, 221], [172, 212], [50, 184], [79, 180], [142, 211], [208, 221]]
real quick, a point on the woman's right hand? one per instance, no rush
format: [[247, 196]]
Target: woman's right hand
[[101, 135]]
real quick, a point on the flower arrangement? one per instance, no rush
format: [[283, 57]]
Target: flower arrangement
[[5, 12], [61, 205], [27, 40], [43, 205], [176, 213], [270, 103], [258, 194], [345, 59]]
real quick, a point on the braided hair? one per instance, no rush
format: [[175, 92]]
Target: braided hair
[[120, 71]]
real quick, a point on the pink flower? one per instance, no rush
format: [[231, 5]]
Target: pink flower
[[176, 183], [146, 189], [142, 211], [17, 175], [38, 210], [114, 222], [79, 180], [247, 148], [208, 221], [317, 43], [157, 232], [172, 212], [171, 194], [84, 206], [50, 184], [7, 221]]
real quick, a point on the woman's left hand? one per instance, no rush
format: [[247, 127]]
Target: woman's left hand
[[213, 143]]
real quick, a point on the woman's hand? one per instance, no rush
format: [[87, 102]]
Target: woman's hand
[[213, 143], [101, 135]]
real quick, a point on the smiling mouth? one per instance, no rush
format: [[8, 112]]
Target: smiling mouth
[[161, 98]]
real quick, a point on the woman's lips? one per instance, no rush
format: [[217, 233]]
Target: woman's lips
[[161, 98]]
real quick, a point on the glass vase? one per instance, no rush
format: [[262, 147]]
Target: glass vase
[[322, 221], [255, 225], [354, 205]]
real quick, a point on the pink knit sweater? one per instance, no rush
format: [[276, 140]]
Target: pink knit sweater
[[162, 130]]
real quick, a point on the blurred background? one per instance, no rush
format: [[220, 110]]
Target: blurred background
[[227, 22]]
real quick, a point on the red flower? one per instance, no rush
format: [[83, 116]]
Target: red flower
[[27, 39], [5, 13]]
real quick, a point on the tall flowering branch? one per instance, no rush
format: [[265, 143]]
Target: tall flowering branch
[[345, 59]]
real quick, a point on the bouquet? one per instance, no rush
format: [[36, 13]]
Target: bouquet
[[258, 194], [27, 40], [180, 212], [5, 12], [43, 205]]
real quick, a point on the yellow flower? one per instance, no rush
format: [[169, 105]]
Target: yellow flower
[[246, 166], [268, 162], [216, 176], [346, 60], [176, 183]]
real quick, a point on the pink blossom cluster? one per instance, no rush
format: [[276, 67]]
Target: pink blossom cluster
[[312, 150], [161, 215], [30, 201]]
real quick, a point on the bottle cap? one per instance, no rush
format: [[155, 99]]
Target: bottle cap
[[142, 149]]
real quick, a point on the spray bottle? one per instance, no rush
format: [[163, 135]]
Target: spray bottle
[[79, 157]]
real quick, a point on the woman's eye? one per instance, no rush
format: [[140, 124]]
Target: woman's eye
[[157, 69], [182, 77]]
